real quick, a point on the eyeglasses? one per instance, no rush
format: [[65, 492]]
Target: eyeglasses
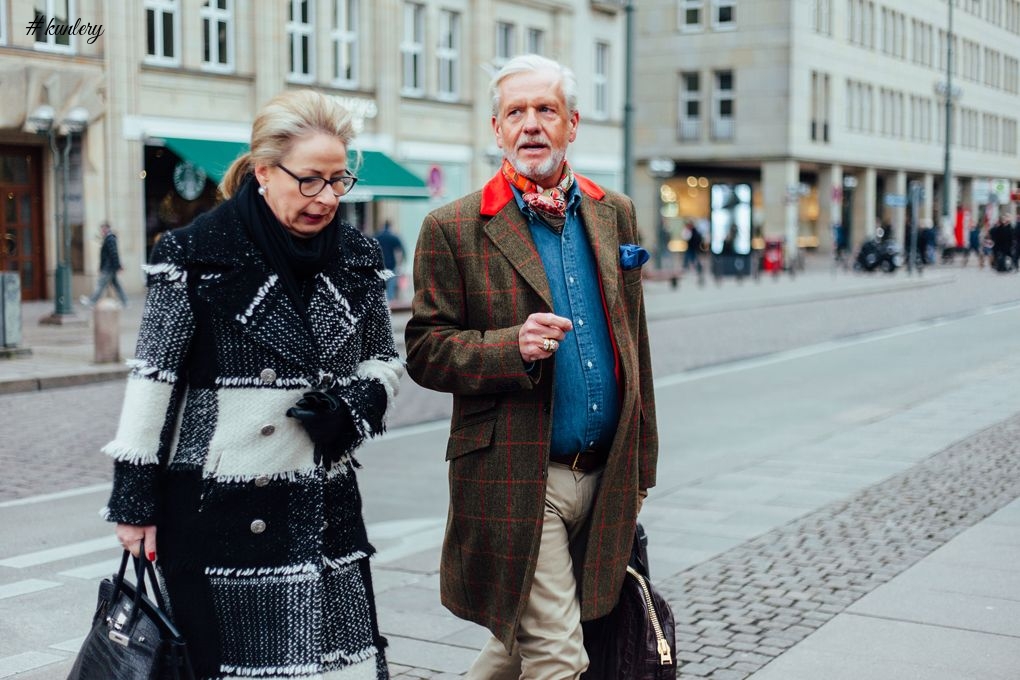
[[310, 187]]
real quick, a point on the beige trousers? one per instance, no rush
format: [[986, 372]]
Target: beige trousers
[[550, 645]]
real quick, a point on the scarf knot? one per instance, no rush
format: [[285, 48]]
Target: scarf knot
[[551, 202]]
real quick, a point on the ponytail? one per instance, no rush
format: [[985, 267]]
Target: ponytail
[[239, 169]]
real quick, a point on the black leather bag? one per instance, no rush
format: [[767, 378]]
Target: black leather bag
[[637, 640], [132, 638]]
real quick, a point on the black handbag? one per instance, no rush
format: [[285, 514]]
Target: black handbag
[[637, 640], [132, 638]]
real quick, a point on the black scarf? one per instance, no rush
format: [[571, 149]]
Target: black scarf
[[296, 260]]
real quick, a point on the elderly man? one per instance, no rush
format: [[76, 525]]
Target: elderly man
[[529, 309]]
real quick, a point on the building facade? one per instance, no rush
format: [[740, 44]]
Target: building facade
[[784, 118], [170, 88]]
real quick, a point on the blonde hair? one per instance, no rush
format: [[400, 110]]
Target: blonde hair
[[284, 119]]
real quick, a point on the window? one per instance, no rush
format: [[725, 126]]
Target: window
[[344, 42], [506, 41], [3, 22], [723, 106], [300, 23], [412, 50], [600, 80], [218, 35], [690, 106], [690, 14], [1009, 136], [53, 30], [993, 68], [819, 107], [1011, 75], [162, 19], [448, 54], [990, 139], [823, 17], [536, 41], [724, 14]]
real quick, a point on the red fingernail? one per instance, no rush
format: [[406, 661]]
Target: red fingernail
[[151, 556]]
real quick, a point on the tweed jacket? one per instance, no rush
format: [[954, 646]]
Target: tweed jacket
[[478, 276], [205, 451]]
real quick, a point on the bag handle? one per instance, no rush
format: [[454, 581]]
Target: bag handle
[[142, 567]]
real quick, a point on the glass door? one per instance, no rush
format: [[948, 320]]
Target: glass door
[[21, 219]]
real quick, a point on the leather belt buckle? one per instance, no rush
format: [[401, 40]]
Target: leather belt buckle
[[582, 461]]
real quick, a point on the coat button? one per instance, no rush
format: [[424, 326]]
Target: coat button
[[268, 430], [261, 481], [258, 526], [268, 375]]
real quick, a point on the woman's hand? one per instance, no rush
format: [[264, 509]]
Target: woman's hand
[[130, 536]]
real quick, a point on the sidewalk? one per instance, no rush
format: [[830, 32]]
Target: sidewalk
[[821, 562], [62, 356]]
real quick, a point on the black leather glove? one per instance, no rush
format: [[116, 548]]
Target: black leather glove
[[328, 423]]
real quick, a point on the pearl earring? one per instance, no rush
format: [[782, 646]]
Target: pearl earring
[[262, 190]]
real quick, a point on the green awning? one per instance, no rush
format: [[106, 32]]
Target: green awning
[[379, 176], [212, 156]]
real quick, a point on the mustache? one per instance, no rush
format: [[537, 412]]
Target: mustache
[[538, 139]]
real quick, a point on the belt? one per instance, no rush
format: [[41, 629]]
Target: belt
[[583, 461]]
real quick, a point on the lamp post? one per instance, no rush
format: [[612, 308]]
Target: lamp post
[[628, 99], [43, 121], [947, 90]]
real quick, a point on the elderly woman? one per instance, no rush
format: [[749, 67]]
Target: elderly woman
[[265, 358]]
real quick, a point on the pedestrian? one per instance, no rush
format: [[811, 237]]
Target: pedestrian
[[973, 245], [393, 256], [528, 308], [265, 357], [692, 255], [109, 265]]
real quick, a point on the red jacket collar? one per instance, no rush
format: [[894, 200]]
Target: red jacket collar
[[497, 192]]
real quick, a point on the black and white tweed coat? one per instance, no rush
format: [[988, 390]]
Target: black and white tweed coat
[[264, 555]]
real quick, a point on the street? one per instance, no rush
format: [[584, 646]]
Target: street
[[768, 414]]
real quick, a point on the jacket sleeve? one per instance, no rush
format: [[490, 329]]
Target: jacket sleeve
[[443, 353], [141, 446], [369, 394]]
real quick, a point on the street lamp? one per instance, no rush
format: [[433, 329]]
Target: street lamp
[[950, 92], [628, 98], [43, 122]]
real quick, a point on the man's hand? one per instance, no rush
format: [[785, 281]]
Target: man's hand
[[642, 494], [541, 334]]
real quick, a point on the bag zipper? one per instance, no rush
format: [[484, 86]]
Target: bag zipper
[[665, 658]]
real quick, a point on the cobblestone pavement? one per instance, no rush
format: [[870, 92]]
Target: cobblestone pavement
[[743, 608]]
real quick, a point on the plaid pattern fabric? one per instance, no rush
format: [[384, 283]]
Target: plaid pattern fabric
[[477, 278]]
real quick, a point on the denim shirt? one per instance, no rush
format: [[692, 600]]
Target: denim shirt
[[585, 394]]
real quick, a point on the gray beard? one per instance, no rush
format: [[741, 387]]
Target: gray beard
[[543, 169]]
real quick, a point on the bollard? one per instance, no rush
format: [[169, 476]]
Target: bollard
[[106, 331]]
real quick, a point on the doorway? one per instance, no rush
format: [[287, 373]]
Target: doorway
[[21, 226]]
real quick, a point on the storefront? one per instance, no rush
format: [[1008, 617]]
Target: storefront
[[182, 176]]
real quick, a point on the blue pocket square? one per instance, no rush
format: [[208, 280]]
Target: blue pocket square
[[632, 256]]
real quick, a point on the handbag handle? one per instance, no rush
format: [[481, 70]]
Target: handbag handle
[[142, 567]]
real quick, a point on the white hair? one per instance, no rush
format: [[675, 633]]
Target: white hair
[[528, 63]]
